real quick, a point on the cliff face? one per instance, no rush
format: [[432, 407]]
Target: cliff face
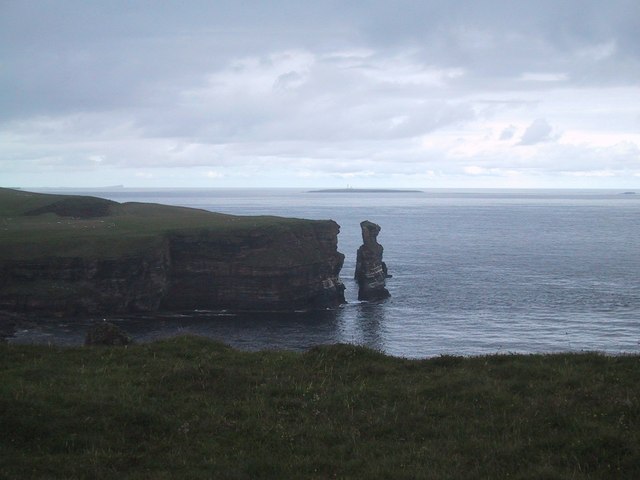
[[285, 266], [73, 285], [272, 268]]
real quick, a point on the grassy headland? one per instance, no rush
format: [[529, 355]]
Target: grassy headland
[[33, 225], [71, 255], [193, 408]]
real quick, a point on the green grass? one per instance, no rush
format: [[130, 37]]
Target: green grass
[[127, 229], [193, 408]]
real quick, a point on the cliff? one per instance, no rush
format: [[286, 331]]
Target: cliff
[[67, 255], [267, 268]]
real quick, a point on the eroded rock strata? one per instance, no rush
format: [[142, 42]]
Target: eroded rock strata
[[195, 260], [284, 268], [67, 286], [371, 271]]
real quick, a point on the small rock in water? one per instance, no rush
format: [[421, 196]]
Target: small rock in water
[[105, 333]]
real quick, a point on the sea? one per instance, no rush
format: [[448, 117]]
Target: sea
[[474, 272]]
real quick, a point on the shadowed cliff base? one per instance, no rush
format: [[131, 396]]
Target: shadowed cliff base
[[70, 255]]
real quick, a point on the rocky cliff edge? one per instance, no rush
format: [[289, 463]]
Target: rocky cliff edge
[[64, 256]]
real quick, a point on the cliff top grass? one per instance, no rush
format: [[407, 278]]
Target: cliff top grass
[[192, 408], [34, 225]]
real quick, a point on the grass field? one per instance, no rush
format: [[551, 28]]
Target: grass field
[[192, 408]]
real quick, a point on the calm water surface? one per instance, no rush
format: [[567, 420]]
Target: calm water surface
[[474, 272]]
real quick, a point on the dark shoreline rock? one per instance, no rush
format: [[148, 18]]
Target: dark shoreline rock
[[8, 323], [106, 334], [371, 271]]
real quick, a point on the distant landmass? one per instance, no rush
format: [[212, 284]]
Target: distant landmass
[[364, 190]]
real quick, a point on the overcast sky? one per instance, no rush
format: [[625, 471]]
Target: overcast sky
[[483, 93]]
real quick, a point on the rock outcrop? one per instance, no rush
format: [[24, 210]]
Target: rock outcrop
[[7, 326], [371, 271], [106, 334]]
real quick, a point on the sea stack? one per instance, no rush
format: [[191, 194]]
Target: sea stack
[[371, 271]]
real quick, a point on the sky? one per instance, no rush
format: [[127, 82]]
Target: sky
[[397, 94]]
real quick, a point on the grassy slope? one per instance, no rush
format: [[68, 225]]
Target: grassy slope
[[192, 408], [129, 227]]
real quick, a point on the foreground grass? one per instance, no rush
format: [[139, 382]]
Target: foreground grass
[[192, 408]]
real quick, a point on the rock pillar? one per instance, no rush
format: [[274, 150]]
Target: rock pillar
[[371, 271]]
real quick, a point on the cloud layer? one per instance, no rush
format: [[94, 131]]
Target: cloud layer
[[416, 94]]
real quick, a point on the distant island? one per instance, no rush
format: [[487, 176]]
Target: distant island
[[363, 190]]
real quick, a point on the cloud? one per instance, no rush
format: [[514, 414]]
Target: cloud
[[63, 57], [381, 90], [476, 170], [598, 52], [544, 77], [539, 131], [301, 96], [591, 173], [508, 133]]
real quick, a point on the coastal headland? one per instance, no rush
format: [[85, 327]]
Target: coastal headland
[[68, 255]]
